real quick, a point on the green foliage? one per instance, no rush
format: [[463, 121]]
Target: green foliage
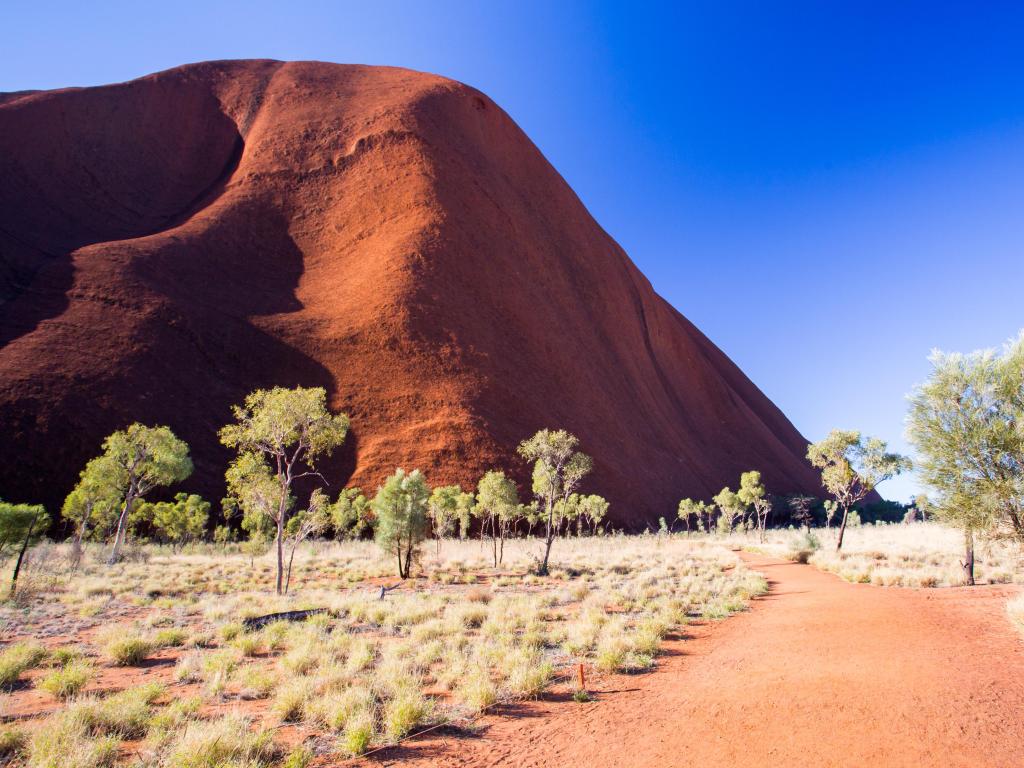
[[20, 523], [134, 462], [852, 466], [731, 509], [17, 658], [557, 469], [446, 509], [700, 511], [176, 522], [967, 424], [21, 526], [351, 514], [752, 493], [279, 435], [68, 680], [94, 504], [400, 508]]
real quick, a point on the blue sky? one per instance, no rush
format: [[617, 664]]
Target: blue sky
[[828, 190]]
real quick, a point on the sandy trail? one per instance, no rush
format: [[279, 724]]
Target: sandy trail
[[820, 673]]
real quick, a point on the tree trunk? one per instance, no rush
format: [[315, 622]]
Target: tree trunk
[[21, 555], [280, 553], [550, 537], [842, 528], [968, 563], [291, 559], [122, 528]]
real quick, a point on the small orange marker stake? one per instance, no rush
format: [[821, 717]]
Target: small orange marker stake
[[583, 683]]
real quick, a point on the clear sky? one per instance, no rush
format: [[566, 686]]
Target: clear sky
[[828, 190]]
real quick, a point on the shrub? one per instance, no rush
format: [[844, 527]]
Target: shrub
[[478, 690], [172, 717], [67, 740], [68, 680], [336, 711], [299, 757], [257, 683], [529, 676], [12, 741], [290, 702], [408, 709], [220, 744], [126, 650], [18, 658], [247, 644], [358, 734], [172, 637]]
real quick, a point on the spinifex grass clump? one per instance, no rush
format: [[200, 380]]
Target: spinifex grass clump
[[66, 681], [19, 658]]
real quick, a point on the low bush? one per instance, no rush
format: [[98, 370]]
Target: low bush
[[68, 680], [19, 658]]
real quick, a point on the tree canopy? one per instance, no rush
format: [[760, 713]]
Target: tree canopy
[[279, 435], [400, 508], [852, 466]]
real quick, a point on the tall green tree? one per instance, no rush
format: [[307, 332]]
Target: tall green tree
[[135, 461], [557, 469], [752, 493], [279, 435], [351, 515], [443, 510], [967, 424], [178, 522], [400, 507], [21, 526], [593, 509], [731, 509], [851, 467], [497, 504], [94, 504], [701, 511]]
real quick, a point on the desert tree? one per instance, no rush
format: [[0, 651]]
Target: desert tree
[[351, 515], [177, 522], [134, 462], [557, 469], [21, 526], [831, 508], [731, 510], [497, 505], [752, 493], [443, 509], [593, 510], [967, 423], [279, 435], [699, 510], [400, 508], [851, 467], [304, 524], [93, 505], [800, 509]]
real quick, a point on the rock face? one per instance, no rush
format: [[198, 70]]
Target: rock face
[[171, 243]]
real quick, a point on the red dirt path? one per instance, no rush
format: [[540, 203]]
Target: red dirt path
[[820, 673]]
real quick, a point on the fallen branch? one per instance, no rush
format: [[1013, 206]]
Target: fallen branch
[[258, 622]]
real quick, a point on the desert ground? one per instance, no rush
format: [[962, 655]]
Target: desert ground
[[694, 650]]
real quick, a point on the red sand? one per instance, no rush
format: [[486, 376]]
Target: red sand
[[819, 673], [171, 243]]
